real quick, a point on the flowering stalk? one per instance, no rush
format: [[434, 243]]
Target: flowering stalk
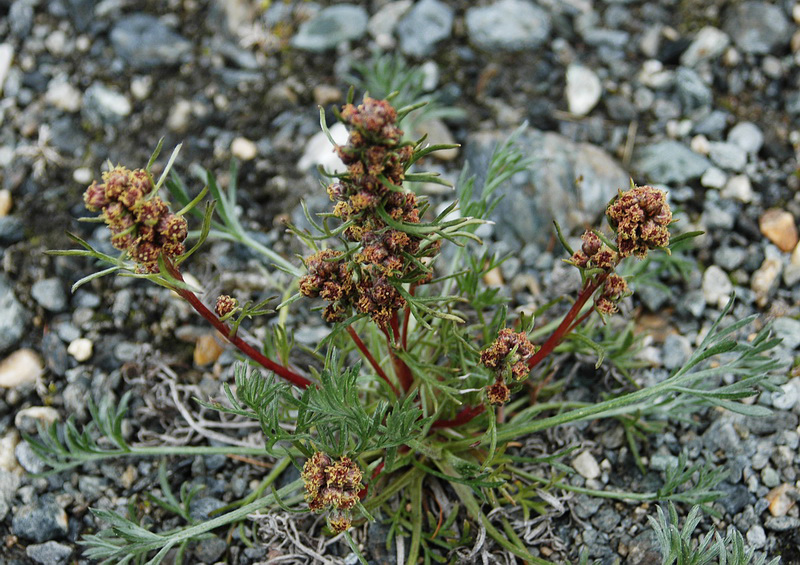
[[372, 361], [190, 297]]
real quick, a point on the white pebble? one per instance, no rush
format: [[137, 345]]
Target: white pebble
[[714, 177], [82, 175], [739, 188], [63, 96], [586, 465], [20, 368], [81, 349], [717, 287], [583, 89], [244, 149], [44, 414], [699, 144]]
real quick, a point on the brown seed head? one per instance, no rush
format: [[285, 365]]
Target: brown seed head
[[225, 305], [498, 393], [641, 217]]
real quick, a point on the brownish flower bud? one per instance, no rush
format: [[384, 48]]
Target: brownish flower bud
[[605, 259], [339, 522], [116, 182], [149, 212], [641, 217], [95, 197], [605, 306], [225, 305], [498, 393], [172, 228], [579, 259], [591, 243], [336, 191], [615, 287]]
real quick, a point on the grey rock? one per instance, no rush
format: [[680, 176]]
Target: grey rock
[[50, 294], [9, 483], [736, 497], [714, 177], [770, 477], [692, 91], [330, 27], [757, 27], [756, 537], [730, 258], [28, 459], [586, 506], [145, 42], [644, 549], [782, 523], [49, 553], [200, 508], [788, 329], [548, 190], [40, 521], [508, 25], [677, 350], [103, 105], [713, 124], [91, 486], [787, 395], [606, 520], [709, 43], [654, 297], [20, 17], [14, 318], [425, 25], [747, 136], [669, 162], [693, 303], [209, 550], [727, 155], [12, 230]]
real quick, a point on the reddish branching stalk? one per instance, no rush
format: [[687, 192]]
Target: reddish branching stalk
[[567, 324], [464, 416], [372, 361], [401, 369], [407, 319], [190, 297]]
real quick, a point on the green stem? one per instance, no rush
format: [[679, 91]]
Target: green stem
[[214, 523], [645, 496], [604, 409], [163, 451]]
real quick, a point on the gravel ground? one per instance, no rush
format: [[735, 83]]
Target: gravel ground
[[702, 98]]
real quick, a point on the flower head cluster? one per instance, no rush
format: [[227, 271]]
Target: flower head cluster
[[225, 305], [508, 355], [140, 222], [332, 486], [370, 199], [641, 217], [614, 289], [594, 254]]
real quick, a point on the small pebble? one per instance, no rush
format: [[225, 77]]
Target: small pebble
[[207, 349], [717, 287], [586, 465], [5, 202], [25, 420], [81, 349], [20, 368], [779, 227], [49, 553], [765, 280], [714, 177], [738, 188], [583, 89], [244, 149], [748, 136], [756, 537]]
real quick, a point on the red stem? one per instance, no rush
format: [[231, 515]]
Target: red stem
[[402, 370], [406, 319], [465, 415], [284, 372], [566, 324], [372, 361], [394, 322]]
